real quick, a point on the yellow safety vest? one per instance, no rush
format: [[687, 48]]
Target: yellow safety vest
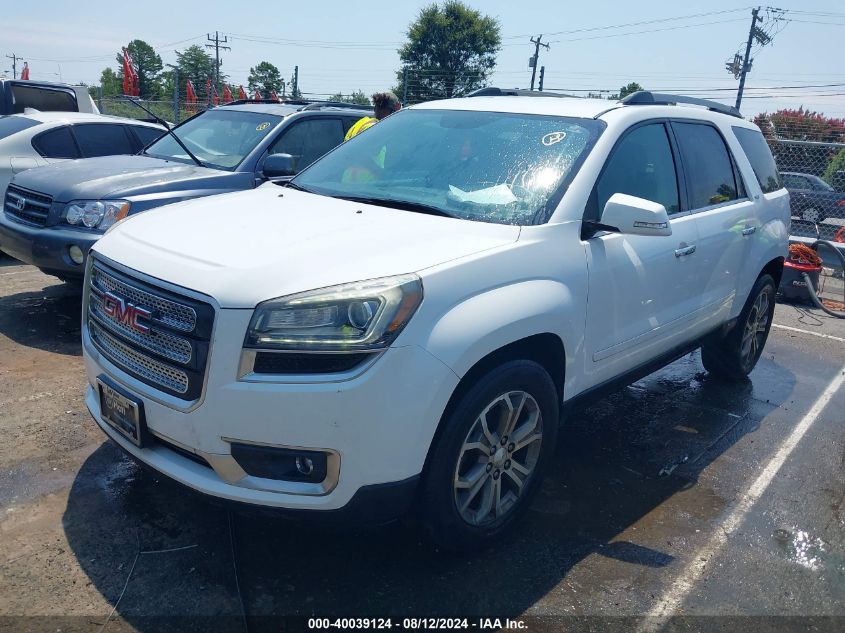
[[359, 126]]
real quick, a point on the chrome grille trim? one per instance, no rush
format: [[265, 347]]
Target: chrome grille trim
[[175, 315], [36, 206], [154, 372], [161, 343]]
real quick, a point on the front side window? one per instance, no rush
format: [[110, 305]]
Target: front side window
[[219, 138], [487, 166], [56, 143], [102, 139], [708, 167], [641, 165], [307, 140]]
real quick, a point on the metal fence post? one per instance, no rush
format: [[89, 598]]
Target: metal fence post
[[176, 96], [100, 98]]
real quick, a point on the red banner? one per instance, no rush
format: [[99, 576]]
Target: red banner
[[241, 93], [25, 71], [227, 93]]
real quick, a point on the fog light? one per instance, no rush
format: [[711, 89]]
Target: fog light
[[76, 254], [283, 464]]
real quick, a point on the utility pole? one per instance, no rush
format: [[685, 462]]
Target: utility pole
[[216, 45], [295, 90], [746, 63], [542, 74], [532, 62], [15, 60]]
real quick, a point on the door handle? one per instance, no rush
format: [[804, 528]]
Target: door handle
[[748, 230], [686, 250]]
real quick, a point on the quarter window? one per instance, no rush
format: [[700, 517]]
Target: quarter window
[[99, 139], [146, 135], [642, 165], [57, 143], [307, 140], [707, 164], [762, 162]]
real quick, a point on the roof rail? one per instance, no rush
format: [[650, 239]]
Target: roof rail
[[492, 91], [316, 105], [243, 101], [644, 97]]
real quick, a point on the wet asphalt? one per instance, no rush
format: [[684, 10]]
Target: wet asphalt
[[643, 483]]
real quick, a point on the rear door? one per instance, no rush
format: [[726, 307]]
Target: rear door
[[643, 290], [726, 219]]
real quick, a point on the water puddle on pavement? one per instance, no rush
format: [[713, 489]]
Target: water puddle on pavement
[[800, 547]]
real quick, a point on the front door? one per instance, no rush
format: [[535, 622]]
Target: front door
[[643, 290]]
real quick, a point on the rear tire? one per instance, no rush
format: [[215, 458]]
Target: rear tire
[[490, 457], [733, 355]]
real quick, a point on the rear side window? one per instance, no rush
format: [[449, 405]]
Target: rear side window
[[641, 165], [789, 180], [707, 165], [57, 143], [103, 139], [307, 140], [761, 159], [44, 99], [13, 124], [146, 135]]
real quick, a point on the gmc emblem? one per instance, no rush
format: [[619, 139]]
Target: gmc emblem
[[127, 313]]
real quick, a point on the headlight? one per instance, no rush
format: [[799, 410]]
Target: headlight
[[365, 315], [99, 214]]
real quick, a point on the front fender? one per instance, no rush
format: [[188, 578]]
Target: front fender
[[486, 322]]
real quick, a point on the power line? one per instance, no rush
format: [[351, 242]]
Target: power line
[[216, 45]]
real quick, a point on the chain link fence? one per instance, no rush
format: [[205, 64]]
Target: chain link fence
[[810, 154]]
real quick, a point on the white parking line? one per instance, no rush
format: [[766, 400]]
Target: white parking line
[[668, 604], [819, 334]]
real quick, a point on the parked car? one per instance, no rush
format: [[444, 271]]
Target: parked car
[[224, 149], [405, 322], [17, 95], [41, 138], [812, 198]]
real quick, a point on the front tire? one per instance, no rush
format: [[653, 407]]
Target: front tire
[[734, 355], [490, 457]]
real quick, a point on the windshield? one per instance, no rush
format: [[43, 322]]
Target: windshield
[[218, 138], [486, 166]]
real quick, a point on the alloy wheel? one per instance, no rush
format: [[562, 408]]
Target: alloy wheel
[[756, 326], [498, 457]]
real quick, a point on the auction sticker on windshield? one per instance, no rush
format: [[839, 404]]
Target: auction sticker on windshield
[[553, 137], [261, 127]]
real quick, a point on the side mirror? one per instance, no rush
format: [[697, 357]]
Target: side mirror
[[635, 216], [278, 166]]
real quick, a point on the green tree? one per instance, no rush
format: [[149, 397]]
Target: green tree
[[198, 66], [111, 84], [834, 175], [451, 50], [624, 91], [265, 77], [147, 64], [357, 97]]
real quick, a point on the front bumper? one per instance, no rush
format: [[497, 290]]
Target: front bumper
[[380, 422], [45, 247]]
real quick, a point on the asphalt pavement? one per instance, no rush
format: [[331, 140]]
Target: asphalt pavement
[[678, 503]]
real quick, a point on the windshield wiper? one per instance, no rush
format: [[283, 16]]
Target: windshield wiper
[[292, 185], [404, 205], [166, 127]]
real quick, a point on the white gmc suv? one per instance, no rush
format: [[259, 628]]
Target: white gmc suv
[[404, 323]]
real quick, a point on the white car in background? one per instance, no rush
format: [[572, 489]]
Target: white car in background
[[33, 139]]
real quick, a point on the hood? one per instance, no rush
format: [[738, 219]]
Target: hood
[[247, 247], [117, 177]]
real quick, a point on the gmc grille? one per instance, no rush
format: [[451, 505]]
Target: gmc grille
[[167, 348], [27, 207]]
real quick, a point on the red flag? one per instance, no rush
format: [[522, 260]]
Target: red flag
[[257, 95], [215, 98], [127, 74], [191, 95], [25, 71], [241, 93], [208, 90], [227, 94], [273, 95]]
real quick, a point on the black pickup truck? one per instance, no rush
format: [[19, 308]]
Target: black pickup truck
[[811, 198]]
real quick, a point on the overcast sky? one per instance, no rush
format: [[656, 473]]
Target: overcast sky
[[345, 46]]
